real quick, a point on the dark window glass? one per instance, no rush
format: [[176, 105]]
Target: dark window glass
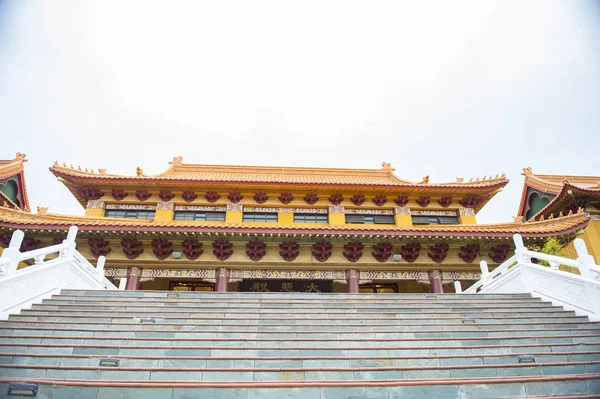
[[310, 218], [129, 214], [260, 217], [370, 219], [209, 216], [435, 220]]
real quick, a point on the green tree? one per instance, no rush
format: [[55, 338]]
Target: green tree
[[552, 246]]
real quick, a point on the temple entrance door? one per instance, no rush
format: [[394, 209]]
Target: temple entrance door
[[379, 288], [310, 286]]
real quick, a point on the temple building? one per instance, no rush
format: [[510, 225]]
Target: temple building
[[289, 229], [549, 196]]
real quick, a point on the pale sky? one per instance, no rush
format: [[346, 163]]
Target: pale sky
[[439, 88]]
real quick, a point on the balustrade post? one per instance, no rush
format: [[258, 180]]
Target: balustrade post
[[485, 272], [70, 243], [584, 259], [100, 267], [12, 253], [122, 283], [520, 249], [458, 287]]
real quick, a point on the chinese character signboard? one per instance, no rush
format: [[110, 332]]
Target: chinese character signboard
[[314, 286]]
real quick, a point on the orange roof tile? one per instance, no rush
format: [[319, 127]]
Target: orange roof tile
[[10, 218]]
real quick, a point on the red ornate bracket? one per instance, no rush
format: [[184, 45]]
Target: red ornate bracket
[[189, 196], [322, 250], [132, 247], [162, 248], [29, 244], [212, 196], [222, 249], [286, 198], [142, 195], [445, 201], [99, 247], [192, 249], [575, 204], [90, 193], [380, 200], [410, 251], [401, 200], [438, 252], [235, 197], [119, 194], [358, 199], [4, 241], [382, 251], [289, 250], [166, 195], [311, 198], [499, 253], [260, 197], [424, 200], [469, 252], [353, 251], [256, 250], [471, 201], [336, 199]]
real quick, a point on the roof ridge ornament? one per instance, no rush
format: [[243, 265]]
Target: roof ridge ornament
[[42, 210], [518, 219], [139, 172], [528, 171], [385, 166], [425, 180], [177, 161], [20, 157]]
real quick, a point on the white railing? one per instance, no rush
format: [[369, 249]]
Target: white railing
[[518, 274], [21, 288]]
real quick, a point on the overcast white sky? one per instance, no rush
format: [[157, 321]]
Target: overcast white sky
[[439, 88]]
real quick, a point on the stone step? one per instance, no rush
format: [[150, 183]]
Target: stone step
[[413, 349], [295, 373], [298, 361], [549, 312], [233, 334], [285, 296], [581, 385], [332, 340], [465, 324]]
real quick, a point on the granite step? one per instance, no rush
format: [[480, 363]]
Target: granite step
[[299, 361]]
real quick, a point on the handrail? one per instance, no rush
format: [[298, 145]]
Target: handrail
[[580, 293], [23, 287]]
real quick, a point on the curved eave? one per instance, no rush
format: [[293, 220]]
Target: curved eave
[[559, 226], [567, 193]]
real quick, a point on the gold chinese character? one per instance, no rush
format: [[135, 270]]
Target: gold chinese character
[[287, 287], [259, 287], [312, 288]]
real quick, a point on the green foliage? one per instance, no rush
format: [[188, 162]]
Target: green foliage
[[552, 246]]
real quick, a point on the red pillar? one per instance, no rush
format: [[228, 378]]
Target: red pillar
[[133, 278], [352, 277], [222, 275], [435, 277]]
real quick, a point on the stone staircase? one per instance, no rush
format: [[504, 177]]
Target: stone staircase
[[157, 344]]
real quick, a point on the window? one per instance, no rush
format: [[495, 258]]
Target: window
[[435, 220], [260, 217], [129, 214], [207, 216], [370, 219], [311, 218]]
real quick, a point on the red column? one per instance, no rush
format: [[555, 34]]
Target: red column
[[352, 277], [435, 277], [133, 278], [222, 275]]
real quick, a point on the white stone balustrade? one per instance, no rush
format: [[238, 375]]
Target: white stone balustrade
[[518, 274], [69, 269]]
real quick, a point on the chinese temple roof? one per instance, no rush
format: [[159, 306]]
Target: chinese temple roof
[[10, 218], [13, 191], [186, 174], [561, 189]]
